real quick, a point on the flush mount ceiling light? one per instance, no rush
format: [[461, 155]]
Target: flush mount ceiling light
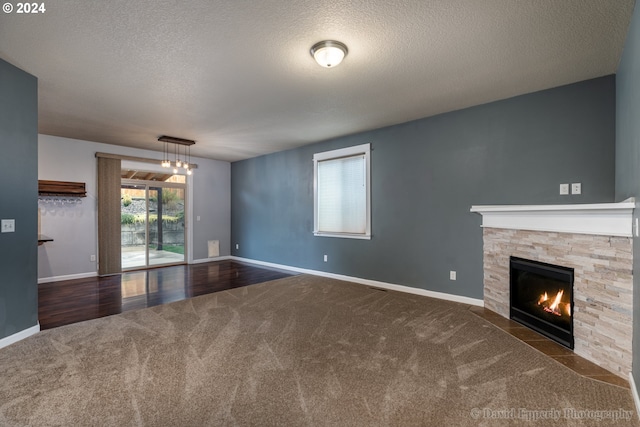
[[177, 142], [329, 53]]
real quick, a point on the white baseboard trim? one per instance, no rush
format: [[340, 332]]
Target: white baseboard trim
[[368, 282], [19, 336], [67, 277], [218, 258], [95, 273], [634, 392]]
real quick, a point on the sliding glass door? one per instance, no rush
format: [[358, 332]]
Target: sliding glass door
[[133, 219], [153, 220], [166, 226]]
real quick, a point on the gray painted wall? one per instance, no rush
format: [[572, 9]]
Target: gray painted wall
[[74, 229], [628, 156], [426, 174], [18, 199], [212, 203]]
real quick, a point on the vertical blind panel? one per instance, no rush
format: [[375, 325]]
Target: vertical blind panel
[[342, 195], [109, 246]]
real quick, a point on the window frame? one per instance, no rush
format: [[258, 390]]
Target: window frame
[[363, 149]]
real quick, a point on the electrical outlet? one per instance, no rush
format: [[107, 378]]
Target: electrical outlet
[[237, 246], [325, 258], [576, 188], [198, 218], [564, 189], [452, 275], [8, 225], [92, 258]]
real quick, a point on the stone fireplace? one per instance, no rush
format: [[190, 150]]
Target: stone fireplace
[[595, 241]]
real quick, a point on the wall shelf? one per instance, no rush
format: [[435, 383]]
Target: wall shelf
[[61, 189], [42, 239]]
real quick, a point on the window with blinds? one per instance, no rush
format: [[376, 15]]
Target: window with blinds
[[341, 199]]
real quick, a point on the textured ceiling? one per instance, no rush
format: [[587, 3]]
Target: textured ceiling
[[237, 76]]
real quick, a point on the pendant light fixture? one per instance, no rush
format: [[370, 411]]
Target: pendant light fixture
[[177, 143], [329, 53], [165, 162], [187, 163]]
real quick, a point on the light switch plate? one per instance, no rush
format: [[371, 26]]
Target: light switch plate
[[564, 189], [8, 225]]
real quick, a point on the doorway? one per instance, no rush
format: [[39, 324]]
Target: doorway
[[152, 219]]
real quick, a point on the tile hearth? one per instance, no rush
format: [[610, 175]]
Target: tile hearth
[[560, 354]]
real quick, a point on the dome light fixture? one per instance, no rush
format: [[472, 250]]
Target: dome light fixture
[[329, 53]]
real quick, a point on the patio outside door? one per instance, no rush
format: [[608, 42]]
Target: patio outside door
[[153, 224]]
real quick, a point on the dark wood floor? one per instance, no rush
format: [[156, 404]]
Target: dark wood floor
[[71, 301]]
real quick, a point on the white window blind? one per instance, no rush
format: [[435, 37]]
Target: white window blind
[[342, 193]]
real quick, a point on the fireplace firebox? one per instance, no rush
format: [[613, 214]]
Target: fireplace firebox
[[541, 297]]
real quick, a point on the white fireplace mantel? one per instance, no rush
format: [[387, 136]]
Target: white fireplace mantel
[[609, 219]]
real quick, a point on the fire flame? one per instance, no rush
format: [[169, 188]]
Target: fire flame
[[555, 307], [556, 301], [543, 298]]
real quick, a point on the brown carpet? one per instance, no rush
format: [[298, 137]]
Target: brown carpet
[[297, 351]]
